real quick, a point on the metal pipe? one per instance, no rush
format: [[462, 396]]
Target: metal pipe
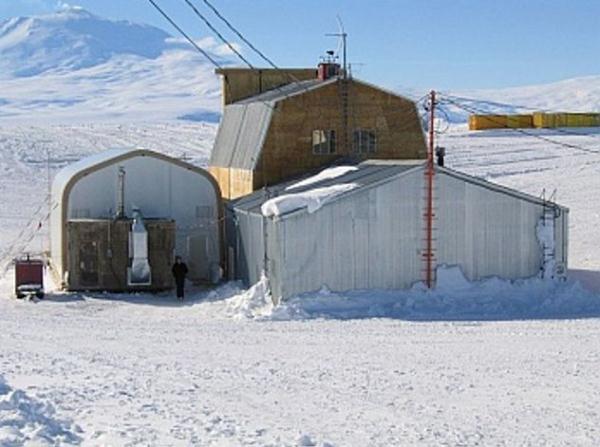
[[121, 194]]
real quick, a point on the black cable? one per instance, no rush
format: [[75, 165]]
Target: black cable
[[493, 103], [239, 34], [183, 33], [219, 35], [540, 137]]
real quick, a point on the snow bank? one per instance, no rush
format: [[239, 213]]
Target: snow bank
[[256, 302], [325, 174], [26, 421], [454, 298], [312, 200]]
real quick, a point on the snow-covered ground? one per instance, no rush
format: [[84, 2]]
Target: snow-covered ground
[[492, 363], [487, 364]]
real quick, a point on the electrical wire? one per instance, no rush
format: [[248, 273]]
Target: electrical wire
[[218, 34], [480, 101], [184, 34], [239, 34], [471, 109], [492, 103]]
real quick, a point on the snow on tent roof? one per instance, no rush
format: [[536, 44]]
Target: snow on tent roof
[[367, 174]]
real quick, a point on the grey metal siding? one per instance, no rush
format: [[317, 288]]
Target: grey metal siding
[[241, 135], [486, 232], [370, 239], [249, 247], [373, 237]]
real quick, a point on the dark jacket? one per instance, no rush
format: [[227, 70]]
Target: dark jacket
[[179, 271]]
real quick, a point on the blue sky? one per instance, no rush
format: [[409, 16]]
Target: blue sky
[[442, 44]]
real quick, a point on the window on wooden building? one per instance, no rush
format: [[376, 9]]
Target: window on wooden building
[[364, 142], [323, 142]]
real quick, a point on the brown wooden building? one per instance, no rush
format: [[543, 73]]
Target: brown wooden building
[[273, 129]]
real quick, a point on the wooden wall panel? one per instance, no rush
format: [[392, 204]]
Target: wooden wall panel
[[288, 146], [234, 182]]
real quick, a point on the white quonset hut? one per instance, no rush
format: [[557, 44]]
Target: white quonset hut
[[176, 208], [363, 227]]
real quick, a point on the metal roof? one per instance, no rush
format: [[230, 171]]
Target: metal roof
[[245, 124], [287, 90], [241, 135], [367, 175]]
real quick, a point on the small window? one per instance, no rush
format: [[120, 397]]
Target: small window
[[323, 142], [364, 142]]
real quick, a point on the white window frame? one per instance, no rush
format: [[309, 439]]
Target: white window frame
[[323, 141]]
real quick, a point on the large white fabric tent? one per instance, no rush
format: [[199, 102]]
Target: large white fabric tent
[[159, 186]]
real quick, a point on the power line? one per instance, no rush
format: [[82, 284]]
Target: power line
[[521, 131], [184, 34], [248, 43], [239, 34], [514, 106], [219, 35], [483, 101], [492, 103]]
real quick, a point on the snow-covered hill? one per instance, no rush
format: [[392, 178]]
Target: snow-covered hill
[[75, 66], [72, 39], [580, 94]]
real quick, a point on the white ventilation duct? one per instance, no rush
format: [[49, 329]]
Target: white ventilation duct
[[139, 273]]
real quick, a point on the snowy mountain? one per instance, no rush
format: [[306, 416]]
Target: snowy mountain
[[72, 39], [75, 66]]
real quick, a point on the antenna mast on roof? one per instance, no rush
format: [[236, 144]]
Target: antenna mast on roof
[[343, 34]]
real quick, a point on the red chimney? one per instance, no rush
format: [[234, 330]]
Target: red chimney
[[328, 70]]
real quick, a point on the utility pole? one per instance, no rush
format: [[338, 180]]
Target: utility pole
[[429, 212]]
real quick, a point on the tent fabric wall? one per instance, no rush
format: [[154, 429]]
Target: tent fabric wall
[[371, 238], [161, 187]]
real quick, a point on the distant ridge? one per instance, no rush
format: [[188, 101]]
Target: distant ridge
[[73, 65]]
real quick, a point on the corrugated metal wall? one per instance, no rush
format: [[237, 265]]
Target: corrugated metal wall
[[372, 238], [484, 231], [241, 134], [245, 238]]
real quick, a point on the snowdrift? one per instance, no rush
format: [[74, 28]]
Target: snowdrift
[[27, 421], [454, 298]]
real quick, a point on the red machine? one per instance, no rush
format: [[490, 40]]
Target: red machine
[[29, 277]]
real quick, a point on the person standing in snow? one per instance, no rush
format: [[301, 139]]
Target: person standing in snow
[[179, 272]]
